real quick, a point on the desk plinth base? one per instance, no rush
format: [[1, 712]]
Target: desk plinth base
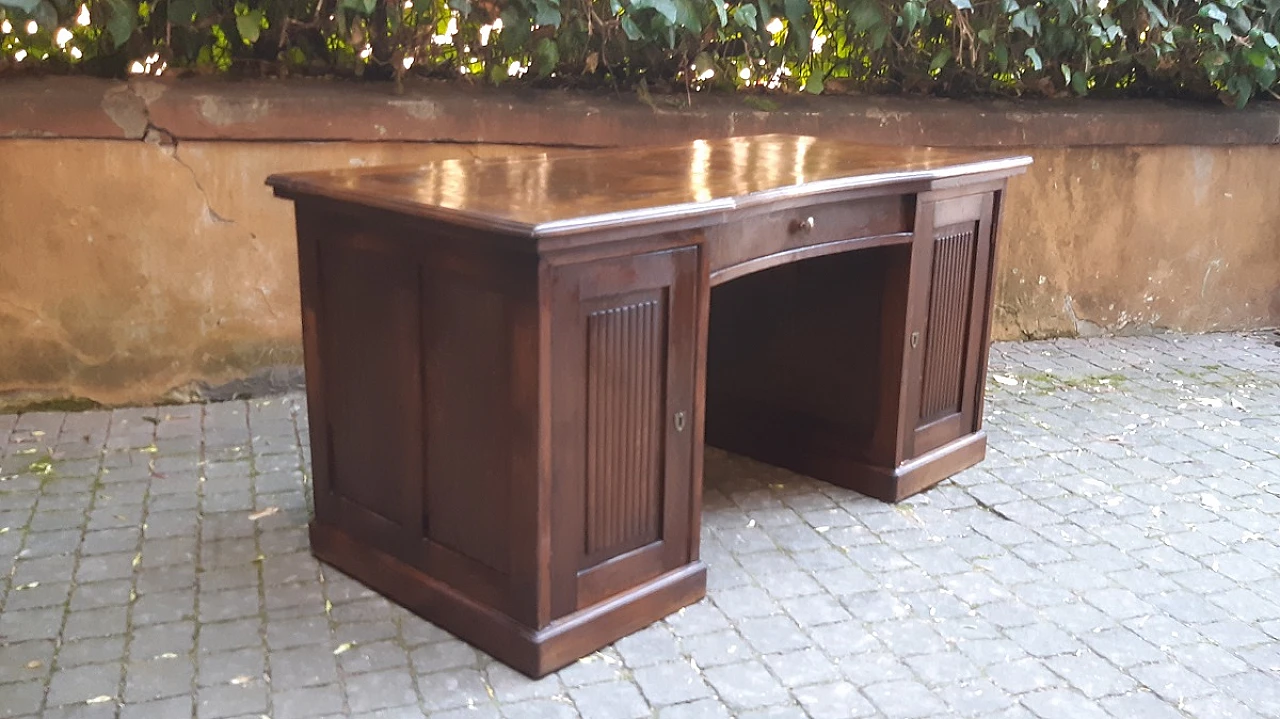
[[917, 475], [535, 653], [888, 484]]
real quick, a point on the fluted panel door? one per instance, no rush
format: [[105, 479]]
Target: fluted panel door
[[949, 316], [626, 372], [623, 422]]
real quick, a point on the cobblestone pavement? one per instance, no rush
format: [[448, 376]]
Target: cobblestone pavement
[[1116, 555]]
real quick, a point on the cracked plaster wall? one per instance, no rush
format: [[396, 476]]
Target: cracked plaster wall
[[134, 271], [1131, 240]]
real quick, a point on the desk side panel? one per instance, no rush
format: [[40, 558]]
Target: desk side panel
[[427, 400]]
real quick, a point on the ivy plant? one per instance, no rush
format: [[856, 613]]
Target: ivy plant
[[1225, 49]]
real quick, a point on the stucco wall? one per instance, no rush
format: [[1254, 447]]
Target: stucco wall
[[142, 258]]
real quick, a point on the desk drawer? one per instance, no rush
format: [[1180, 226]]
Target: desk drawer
[[764, 240]]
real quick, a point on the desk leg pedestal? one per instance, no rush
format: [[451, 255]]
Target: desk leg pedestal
[[535, 653]]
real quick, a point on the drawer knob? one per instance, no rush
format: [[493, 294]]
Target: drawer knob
[[805, 225]]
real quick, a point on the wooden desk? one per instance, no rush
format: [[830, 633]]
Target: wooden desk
[[512, 365]]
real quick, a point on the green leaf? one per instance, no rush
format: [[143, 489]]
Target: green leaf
[[1266, 76], [667, 9], [800, 14], [720, 10], [866, 15], [687, 16], [629, 27], [1026, 20], [1213, 12], [1009, 7], [1257, 58], [1270, 40], [962, 4], [1157, 15], [1066, 73], [1080, 82], [249, 26], [912, 14], [122, 18], [745, 15], [813, 85], [463, 7], [1241, 88], [940, 59], [1034, 56], [1222, 31], [546, 12], [546, 56]]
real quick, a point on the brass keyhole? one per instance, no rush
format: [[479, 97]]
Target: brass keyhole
[[679, 421]]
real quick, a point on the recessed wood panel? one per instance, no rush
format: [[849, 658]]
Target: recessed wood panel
[[371, 330], [947, 337], [626, 362], [467, 490]]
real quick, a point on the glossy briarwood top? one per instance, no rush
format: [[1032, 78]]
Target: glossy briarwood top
[[566, 192]]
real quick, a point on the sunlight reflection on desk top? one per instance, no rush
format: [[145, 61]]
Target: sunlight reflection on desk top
[[568, 191]]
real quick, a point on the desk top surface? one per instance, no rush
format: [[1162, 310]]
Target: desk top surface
[[566, 192]]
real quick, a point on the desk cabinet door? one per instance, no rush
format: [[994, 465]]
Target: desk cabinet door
[[950, 343], [623, 341]]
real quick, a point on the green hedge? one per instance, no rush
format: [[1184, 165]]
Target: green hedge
[[1169, 48]]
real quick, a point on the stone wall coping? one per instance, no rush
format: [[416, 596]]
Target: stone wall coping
[[308, 110]]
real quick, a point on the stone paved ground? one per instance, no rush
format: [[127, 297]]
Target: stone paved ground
[[1115, 556]]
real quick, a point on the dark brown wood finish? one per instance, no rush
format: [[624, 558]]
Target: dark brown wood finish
[[512, 366]]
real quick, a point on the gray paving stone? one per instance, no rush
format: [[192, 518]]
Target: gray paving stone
[[1062, 704], [21, 698], [904, 698], [746, 686], [443, 690], [307, 702], [218, 668], [231, 700], [174, 707], [92, 651], [102, 622], [509, 686], [614, 700], [158, 679], [80, 684], [1140, 705], [1109, 564], [303, 666], [671, 683], [532, 709], [1090, 674]]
